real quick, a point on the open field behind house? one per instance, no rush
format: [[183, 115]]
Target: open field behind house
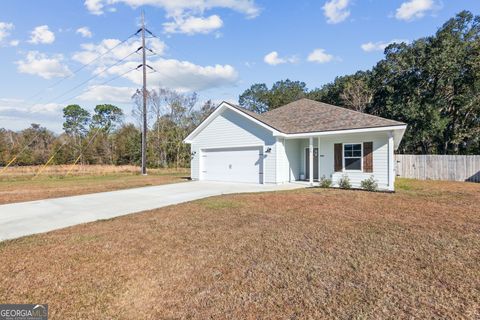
[[19, 183], [303, 254]]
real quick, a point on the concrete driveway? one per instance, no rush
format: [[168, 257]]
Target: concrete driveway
[[26, 218]]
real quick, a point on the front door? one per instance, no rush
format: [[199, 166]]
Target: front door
[[315, 163]]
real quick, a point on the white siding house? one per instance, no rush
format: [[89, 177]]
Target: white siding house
[[235, 145]]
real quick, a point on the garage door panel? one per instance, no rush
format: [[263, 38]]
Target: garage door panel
[[233, 165]]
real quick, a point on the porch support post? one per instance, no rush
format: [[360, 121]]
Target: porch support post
[[319, 159], [391, 163], [310, 162]]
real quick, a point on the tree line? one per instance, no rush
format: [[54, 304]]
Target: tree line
[[105, 138], [432, 84]]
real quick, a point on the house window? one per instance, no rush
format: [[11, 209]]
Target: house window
[[352, 156]]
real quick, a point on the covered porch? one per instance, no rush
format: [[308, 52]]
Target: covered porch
[[304, 157], [359, 156]]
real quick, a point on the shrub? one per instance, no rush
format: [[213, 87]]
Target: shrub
[[325, 182], [344, 182], [369, 184]]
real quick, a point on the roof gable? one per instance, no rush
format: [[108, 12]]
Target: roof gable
[[222, 107]]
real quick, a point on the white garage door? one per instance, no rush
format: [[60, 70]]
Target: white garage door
[[233, 165]]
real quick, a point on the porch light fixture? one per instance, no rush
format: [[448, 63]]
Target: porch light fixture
[[268, 150]]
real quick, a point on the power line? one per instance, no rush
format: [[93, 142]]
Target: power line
[[84, 149], [81, 68], [93, 77], [152, 34], [19, 153], [100, 84], [49, 160]]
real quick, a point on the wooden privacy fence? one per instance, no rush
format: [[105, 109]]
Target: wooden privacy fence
[[438, 167]]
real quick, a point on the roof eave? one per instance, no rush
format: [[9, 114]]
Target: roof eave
[[342, 131]]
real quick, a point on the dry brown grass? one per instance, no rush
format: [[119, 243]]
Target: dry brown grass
[[19, 183], [16, 172], [305, 254]]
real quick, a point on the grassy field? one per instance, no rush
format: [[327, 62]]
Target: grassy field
[[19, 183], [303, 254]]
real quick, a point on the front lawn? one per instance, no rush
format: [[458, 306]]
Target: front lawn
[[301, 254]]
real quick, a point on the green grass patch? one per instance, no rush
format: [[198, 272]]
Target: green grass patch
[[407, 184]]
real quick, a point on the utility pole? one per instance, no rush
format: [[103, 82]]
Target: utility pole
[[144, 113]]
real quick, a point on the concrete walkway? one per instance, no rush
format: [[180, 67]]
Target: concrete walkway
[[26, 218]]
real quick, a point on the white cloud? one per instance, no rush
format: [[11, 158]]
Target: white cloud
[[336, 10], [178, 7], [6, 103], [183, 76], [20, 106], [46, 108], [107, 94], [40, 64], [174, 74], [274, 59], [380, 45], [17, 114], [94, 6], [192, 25], [42, 34], [5, 29], [84, 32], [187, 15], [320, 56], [414, 9]]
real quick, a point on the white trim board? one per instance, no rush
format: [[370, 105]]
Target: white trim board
[[361, 156], [346, 131], [254, 145]]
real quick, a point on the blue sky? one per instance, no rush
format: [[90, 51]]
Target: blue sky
[[217, 48]]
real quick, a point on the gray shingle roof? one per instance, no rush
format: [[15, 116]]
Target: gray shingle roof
[[305, 115]]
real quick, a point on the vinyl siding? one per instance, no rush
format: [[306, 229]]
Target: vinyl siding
[[380, 158], [195, 162], [282, 162], [293, 154], [230, 130]]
